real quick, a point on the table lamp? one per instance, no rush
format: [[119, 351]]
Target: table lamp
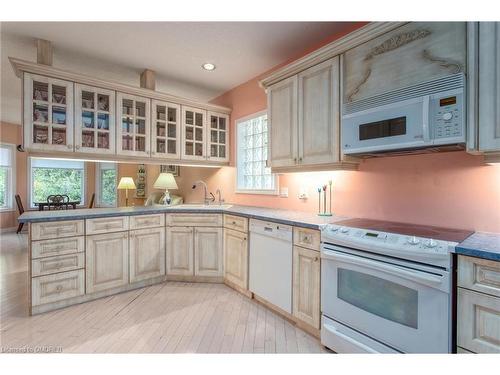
[[126, 183], [165, 181]]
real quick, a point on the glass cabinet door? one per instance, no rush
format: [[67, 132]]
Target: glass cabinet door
[[48, 113], [94, 120], [218, 125], [133, 125], [193, 142], [165, 134]]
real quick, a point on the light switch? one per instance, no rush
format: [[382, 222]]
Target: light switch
[[284, 192]]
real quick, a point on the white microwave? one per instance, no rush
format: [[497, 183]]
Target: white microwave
[[430, 114]]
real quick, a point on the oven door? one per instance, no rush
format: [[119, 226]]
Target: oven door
[[405, 308], [396, 126]]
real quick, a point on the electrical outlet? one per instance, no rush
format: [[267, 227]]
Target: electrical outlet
[[284, 192], [303, 193]]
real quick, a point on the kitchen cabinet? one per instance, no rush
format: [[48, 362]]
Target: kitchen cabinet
[[147, 253], [282, 123], [194, 133], [478, 307], [95, 126], [218, 137], [48, 113], [133, 124], [306, 286], [165, 130], [236, 257], [413, 53], [319, 113], [107, 261], [489, 86], [180, 251], [208, 258]]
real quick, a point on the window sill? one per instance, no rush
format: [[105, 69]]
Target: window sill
[[257, 192], [7, 209]]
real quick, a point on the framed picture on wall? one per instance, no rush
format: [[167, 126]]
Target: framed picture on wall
[[174, 169]]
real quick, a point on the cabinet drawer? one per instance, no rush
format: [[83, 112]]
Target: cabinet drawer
[[107, 225], [478, 322], [46, 266], [47, 248], [147, 221], [309, 238], [236, 223], [479, 274], [56, 229], [57, 287], [194, 220]]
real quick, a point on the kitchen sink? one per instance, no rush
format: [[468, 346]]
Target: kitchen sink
[[202, 206]]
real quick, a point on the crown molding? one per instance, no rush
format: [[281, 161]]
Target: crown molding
[[21, 66], [351, 40]]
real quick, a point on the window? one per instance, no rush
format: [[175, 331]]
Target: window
[[7, 168], [52, 176], [252, 174], [105, 185]]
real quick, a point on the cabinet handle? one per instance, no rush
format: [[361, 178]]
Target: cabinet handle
[[77, 147], [295, 160], [316, 259], [59, 288], [70, 147], [234, 222], [300, 160]]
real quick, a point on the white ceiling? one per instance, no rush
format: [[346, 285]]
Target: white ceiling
[[176, 50]]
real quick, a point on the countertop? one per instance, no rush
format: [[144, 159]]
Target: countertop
[[481, 245], [288, 217]]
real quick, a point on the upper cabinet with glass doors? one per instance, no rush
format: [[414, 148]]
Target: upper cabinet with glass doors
[[193, 133], [217, 144], [48, 113], [94, 120], [133, 125], [165, 130]]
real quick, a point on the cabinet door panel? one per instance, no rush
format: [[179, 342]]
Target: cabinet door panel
[[218, 137], [57, 287], [133, 125], [166, 130], [413, 53], [236, 258], [489, 86], [180, 251], [194, 133], [208, 252], [282, 123], [147, 254], [107, 261], [319, 114], [306, 285]]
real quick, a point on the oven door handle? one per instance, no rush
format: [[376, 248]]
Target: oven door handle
[[414, 275]]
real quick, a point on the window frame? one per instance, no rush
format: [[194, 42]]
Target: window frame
[[98, 181], [238, 190], [30, 181], [11, 178]]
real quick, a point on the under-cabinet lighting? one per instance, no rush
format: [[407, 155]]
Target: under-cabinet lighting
[[208, 66]]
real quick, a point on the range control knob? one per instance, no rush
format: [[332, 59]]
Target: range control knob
[[344, 230], [413, 240], [447, 116], [430, 243]]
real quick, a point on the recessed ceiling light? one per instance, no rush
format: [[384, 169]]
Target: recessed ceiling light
[[208, 66]]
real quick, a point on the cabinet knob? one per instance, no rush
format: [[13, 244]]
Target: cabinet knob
[[77, 147], [70, 147], [295, 160], [59, 288], [300, 160], [316, 259]]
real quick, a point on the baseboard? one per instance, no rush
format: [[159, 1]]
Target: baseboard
[[239, 289], [11, 230]]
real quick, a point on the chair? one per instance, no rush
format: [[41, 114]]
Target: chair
[[91, 205], [21, 211], [57, 202]]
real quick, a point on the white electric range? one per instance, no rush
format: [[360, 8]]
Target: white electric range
[[386, 287]]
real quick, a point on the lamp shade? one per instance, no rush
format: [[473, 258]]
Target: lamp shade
[[165, 181], [126, 183]]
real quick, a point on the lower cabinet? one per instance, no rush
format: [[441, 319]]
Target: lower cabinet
[[147, 254], [180, 253], [208, 251], [236, 257], [306, 285], [107, 263]]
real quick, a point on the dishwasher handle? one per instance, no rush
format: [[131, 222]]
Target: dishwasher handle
[[280, 231]]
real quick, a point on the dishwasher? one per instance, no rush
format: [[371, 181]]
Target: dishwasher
[[271, 254]]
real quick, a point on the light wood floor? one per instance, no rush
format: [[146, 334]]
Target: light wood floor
[[172, 317]]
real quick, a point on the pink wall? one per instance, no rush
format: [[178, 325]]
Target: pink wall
[[449, 189]]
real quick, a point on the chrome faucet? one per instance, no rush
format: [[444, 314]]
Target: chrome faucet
[[219, 193], [206, 198]]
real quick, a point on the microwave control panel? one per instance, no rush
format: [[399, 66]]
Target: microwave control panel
[[447, 115]]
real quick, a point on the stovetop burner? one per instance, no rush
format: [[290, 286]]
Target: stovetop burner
[[437, 233]]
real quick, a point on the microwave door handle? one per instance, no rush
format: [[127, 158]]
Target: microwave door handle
[[425, 118], [416, 276]]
